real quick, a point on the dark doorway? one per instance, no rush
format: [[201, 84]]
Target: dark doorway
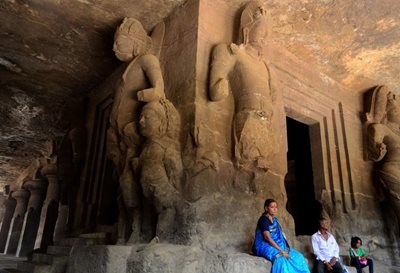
[[299, 181]]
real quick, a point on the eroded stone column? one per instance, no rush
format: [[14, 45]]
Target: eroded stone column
[[14, 233], [49, 214], [32, 218], [9, 206]]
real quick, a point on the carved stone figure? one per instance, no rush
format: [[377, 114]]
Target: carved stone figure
[[242, 69], [160, 163], [384, 142], [141, 82]]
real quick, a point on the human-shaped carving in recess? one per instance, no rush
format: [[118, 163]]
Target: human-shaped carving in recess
[[160, 164], [141, 82], [242, 69], [384, 142]]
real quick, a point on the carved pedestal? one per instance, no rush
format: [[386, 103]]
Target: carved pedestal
[[9, 206], [14, 233], [32, 217], [49, 214]]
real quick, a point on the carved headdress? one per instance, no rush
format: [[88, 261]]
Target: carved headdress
[[132, 28], [253, 11], [170, 119], [377, 105]]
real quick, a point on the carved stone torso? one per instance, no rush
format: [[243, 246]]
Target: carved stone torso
[[151, 159], [391, 138], [154, 179], [126, 107], [391, 162], [250, 83]]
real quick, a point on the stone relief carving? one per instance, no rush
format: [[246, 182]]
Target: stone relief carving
[[141, 82], [383, 136], [160, 164], [243, 70]]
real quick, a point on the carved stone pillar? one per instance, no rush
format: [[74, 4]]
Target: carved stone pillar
[[49, 214], [3, 198], [62, 223], [32, 218], [14, 233], [9, 206]]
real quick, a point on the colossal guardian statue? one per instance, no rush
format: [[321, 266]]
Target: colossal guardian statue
[[384, 142], [243, 70], [141, 82], [160, 164]]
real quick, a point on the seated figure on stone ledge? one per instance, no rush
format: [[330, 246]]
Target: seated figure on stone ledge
[[160, 164], [242, 69], [384, 142], [141, 82], [270, 243]]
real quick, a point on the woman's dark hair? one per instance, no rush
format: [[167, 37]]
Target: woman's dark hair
[[268, 202], [354, 241]]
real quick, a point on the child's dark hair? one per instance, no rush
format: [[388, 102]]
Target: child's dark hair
[[268, 202], [354, 241]]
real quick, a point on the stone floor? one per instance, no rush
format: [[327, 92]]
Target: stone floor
[[8, 263], [154, 259]]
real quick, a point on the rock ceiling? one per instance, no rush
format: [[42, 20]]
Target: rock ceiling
[[55, 50]]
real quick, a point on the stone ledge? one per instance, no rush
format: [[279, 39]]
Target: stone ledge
[[161, 258], [168, 258]]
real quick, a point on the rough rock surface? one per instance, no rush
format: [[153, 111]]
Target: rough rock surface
[[162, 258], [167, 258], [54, 50], [50, 52]]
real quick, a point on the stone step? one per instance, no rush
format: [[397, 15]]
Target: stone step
[[59, 250], [42, 258], [99, 238], [43, 263], [8, 265], [95, 235], [26, 267], [11, 271], [10, 262], [70, 242], [59, 266], [43, 269]]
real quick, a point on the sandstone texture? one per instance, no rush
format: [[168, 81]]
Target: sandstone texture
[[54, 50], [166, 159]]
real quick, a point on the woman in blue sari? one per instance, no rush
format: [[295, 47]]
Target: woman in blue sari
[[270, 243]]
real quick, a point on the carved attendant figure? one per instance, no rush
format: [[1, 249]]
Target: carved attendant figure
[[141, 82], [384, 142], [242, 69], [160, 164]]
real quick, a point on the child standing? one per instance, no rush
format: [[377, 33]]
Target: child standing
[[358, 258]]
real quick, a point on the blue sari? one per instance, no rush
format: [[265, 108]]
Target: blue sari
[[280, 264]]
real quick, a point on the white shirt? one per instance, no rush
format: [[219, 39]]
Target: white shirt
[[324, 249]]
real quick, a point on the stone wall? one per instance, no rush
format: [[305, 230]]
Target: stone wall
[[218, 193]]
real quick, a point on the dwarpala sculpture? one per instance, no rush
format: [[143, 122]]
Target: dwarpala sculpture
[[160, 164], [242, 70], [141, 82], [384, 142]]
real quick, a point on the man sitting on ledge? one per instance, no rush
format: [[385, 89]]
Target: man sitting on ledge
[[326, 250]]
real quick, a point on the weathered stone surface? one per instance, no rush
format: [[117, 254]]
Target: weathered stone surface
[[56, 51], [223, 200], [218, 192], [383, 139], [60, 48], [99, 259], [174, 258], [161, 258]]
